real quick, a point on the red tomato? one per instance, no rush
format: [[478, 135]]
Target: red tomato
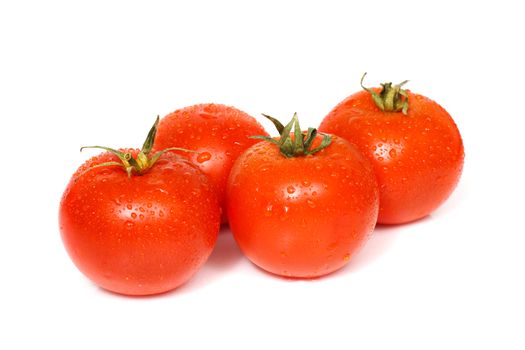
[[141, 234], [417, 156], [302, 215], [219, 133]]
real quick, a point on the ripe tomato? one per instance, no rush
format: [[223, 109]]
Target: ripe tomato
[[219, 133], [412, 142], [301, 209], [141, 234]]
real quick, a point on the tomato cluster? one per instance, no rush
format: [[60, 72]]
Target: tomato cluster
[[143, 221]]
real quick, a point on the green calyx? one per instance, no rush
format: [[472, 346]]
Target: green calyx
[[300, 144], [391, 98], [143, 161]]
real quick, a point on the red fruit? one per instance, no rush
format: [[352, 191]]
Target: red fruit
[[301, 209], [144, 229], [412, 142], [217, 132]]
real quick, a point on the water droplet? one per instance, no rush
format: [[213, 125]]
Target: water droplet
[[207, 115], [161, 213], [314, 193], [268, 211], [380, 159], [346, 257], [310, 203], [204, 156], [129, 224], [306, 183], [290, 189], [392, 153], [133, 215], [129, 206], [149, 205], [141, 216]]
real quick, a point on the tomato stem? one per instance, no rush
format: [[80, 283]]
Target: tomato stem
[[390, 98], [301, 143], [142, 163]]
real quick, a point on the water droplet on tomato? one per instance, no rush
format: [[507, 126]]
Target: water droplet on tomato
[[290, 189], [141, 216], [129, 206], [129, 224], [207, 115], [310, 203], [392, 153], [268, 211], [346, 257], [306, 183], [161, 213], [203, 157]]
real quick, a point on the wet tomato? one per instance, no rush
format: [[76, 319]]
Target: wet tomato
[[301, 209], [136, 224], [413, 143], [217, 132]]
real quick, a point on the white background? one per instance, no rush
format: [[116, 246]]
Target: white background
[[74, 74]]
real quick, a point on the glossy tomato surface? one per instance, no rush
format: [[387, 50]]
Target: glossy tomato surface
[[303, 216], [217, 132], [417, 158], [143, 234]]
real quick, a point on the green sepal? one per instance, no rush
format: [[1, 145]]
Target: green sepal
[[150, 139], [300, 144], [142, 163], [391, 98]]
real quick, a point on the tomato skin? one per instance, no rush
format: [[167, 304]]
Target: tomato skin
[[219, 133], [417, 158], [140, 235], [302, 217]]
